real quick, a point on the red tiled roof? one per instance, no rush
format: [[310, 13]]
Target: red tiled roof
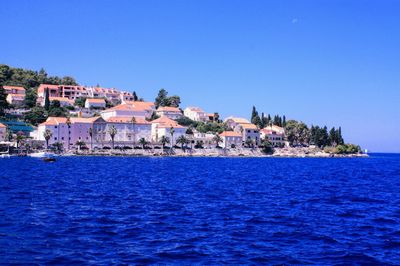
[[230, 134]]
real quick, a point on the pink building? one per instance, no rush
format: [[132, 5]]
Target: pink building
[[137, 109], [78, 129]]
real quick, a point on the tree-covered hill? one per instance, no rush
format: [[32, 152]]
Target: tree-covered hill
[[29, 78]]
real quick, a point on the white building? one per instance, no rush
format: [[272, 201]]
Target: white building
[[231, 139], [170, 112], [95, 103], [197, 114], [15, 95], [73, 92], [162, 127], [275, 138], [243, 126], [128, 131], [15, 99], [129, 109]]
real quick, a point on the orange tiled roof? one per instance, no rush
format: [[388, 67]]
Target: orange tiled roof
[[248, 126], [195, 109], [2, 125], [168, 109], [96, 100], [120, 119], [164, 121], [230, 134], [19, 88], [238, 120]]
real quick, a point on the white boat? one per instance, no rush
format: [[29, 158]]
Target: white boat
[[42, 155], [5, 155]]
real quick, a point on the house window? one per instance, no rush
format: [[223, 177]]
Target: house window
[[62, 138], [55, 138], [55, 126]]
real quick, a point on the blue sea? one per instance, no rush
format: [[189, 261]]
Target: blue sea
[[121, 210]]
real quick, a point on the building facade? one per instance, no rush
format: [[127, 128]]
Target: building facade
[[170, 112]]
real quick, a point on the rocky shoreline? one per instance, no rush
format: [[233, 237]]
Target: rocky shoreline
[[214, 152]]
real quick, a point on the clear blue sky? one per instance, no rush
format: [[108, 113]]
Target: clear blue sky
[[322, 62]]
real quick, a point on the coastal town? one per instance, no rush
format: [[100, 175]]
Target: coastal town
[[71, 119]]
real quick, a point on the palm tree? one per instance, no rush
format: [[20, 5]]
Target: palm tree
[[182, 140], [80, 144], [58, 146], [112, 131], [249, 143], [68, 122], [91, 137], [47, 135], [133, 121], [217, 139], [164, 140], [143, 142], [19, 137], [171, 132], [190, 132]]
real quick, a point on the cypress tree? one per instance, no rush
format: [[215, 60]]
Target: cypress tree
[[135, 97], [284, 121], [46, 99], [3, 101], [332, 137]]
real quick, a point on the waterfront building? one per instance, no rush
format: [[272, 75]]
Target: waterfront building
[[128, 131], [162, 127], [69, 131], [231, 139], [277, 139], [3, 132], [129, 109], [197, 114], [205, 138], [243, 126], [95, 103], [170, 112]]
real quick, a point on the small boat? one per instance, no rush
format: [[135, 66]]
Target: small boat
[[49, 159], [42, 155], [5, 155]]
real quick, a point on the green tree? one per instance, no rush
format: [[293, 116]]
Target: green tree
[[36, 115], [164, 140], [30, 98], [46, 99], [332, 137], [80, 144], [135, 97], [3, 101], [217, 139], [80, 102], [112, 131], [161, 98], [47, 135], [143, 142], [182, 140], [171, 132], [67, 80], [19, 137]]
